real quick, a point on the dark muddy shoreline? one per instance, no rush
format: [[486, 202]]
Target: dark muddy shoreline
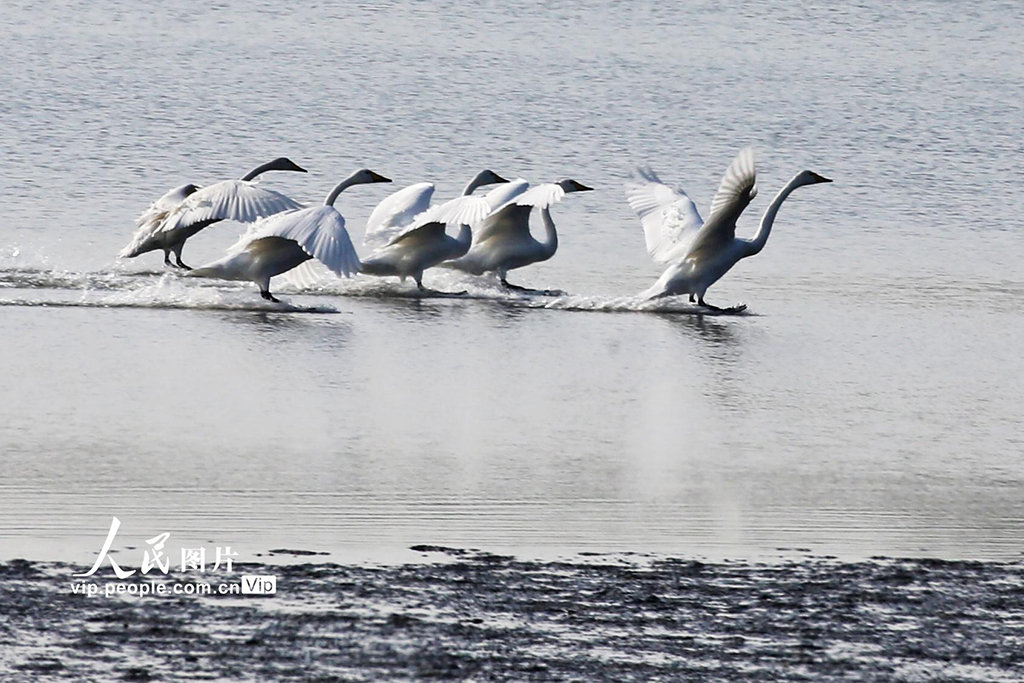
[[483, 617]]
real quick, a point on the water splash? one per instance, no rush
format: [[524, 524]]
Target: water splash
[[125, 287]]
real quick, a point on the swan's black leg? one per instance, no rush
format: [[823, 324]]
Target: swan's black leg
[[167, 259], [265, 293], [692, 298], [177, 257]]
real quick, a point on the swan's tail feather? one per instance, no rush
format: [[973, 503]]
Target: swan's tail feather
[[655, 291], [134, 248]]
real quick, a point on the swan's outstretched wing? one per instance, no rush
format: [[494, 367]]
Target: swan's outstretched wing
[[465, 210], [319, 231], [396, 212], [237, 200], [669, 217], [159, 209], [513, 217], [505, 192], [420, 230], [737, 190], [150, 222], [739, 184]]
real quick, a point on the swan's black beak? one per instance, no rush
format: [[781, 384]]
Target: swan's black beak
[[378, 178], [580, 187], [499, 179], [820, 178]]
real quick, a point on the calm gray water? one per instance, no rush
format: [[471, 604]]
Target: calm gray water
[[869, 404]]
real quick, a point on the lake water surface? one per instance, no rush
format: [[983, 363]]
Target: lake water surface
[[869, 403]]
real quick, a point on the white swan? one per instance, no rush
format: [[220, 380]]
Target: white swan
[[700, 253], [424, 243], [503, 242], [186, 210], [278, 243], [400, 209]]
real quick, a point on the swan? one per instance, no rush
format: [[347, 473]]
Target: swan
[[186, 210], [503, 242], [398, 210], [424, 243], [699, 253], [278, 243]]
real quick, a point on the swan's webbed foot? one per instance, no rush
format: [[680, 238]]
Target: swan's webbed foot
[[693, 299], [438, 292], [526, 290], [182, 265], [265, 293], [718, 309]]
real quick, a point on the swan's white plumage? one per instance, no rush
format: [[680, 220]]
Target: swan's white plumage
[[237, 200], [318, 230], [505, 192], [669, 217], [739, 184], [397, 211], [159, 209], [737, 189], [465, 210], [512, 219], [151, 220], [421, 228], [697, 257]]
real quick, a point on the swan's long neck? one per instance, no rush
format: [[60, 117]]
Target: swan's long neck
[[550, 242], [262, 168], [757, 244], [476, 182], [464, 240], [346, 183]]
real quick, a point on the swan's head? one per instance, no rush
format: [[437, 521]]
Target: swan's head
[[484, 177], [284, 164], [365, 175], [489, 177], [810, 178], [570, 185]]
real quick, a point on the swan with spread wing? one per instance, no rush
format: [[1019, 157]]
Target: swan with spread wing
[[186, 210], [424, 242], [503, 241], [281, 242], [397, 211], [699, 253]]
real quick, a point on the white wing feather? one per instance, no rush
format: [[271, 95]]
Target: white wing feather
[[236, 200], [396, 212], [465, 210], [739, 184], [669, 217], [738, 188], [150, 222], [505, 192], [159, 209], [319, 231], [513, 217]]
